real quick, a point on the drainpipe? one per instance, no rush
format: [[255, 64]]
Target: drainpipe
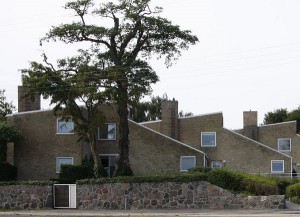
[[291, 168]]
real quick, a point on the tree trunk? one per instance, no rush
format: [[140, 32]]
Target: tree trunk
[[98, 168], [123, 161]]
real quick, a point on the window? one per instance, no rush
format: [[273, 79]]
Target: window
[[277, 166], [65, 126], [208, 139], [63, 160], [284, 144], [187, 162], [216, 164], [107, 132], [109, 163]]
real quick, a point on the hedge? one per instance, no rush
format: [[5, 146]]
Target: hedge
[[148, 179], [29, 182], [73, 172], [240, 182], [293, 192], [7, 172]]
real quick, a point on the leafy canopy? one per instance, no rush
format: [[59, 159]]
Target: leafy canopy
[[283, 115], [5, 107], [121, 36], [151, 110]]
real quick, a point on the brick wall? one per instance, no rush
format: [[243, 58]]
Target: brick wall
[[269, 135], [35, 155], [151, 152]]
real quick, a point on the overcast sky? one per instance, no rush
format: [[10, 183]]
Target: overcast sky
[[248, 56]]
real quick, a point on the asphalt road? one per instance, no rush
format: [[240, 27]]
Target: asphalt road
[[293, 210]]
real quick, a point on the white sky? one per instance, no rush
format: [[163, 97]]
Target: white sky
[[248, 56]]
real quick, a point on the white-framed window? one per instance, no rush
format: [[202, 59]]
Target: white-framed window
[[208, 139], [277, 166], [109, 163], [63, 160], [216, 164], [65, 126], [284, 144], [187, 162], [107, 131]]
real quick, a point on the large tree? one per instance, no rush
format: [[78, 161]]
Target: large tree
[[277, 116], [8, 132], [282, 115], [126, 34], [151, 110], [5, 107]]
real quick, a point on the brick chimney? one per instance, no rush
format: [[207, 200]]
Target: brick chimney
[[250, 124], [26, 103], [169, 110]]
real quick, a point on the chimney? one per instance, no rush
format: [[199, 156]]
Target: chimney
[[169, 110], [27, 103], [250, 124]]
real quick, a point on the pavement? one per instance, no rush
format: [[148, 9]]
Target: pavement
[[292, 210]]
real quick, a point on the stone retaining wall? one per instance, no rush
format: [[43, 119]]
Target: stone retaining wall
[[120, 196], [170, 195], [26, 197]]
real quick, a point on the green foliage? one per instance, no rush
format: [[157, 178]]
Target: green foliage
[[5, 107], [9, 132], [279, 115], [148, 110], [226, 179], [124, 170], [88, 164], [282, 115], [100, 171], [293, 193], [283, 183], [148, 179], [116, 66], [29, 182], [151, 110], [200, 169], [72, 172], [7, 172], [259, 185], [240, 182]]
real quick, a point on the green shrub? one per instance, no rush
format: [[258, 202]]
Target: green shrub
[[88, 164], [124, 170], [200, 169], [72, 173], [283, 183], [7, 172], [149, 179], [226, 179], [293, 192], [259, 187], [240, 182], [39, 183]]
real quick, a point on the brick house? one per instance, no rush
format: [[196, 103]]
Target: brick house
[[171, 144]]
